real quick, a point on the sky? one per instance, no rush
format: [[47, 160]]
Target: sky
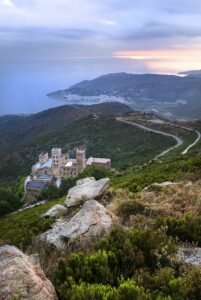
[[161, 36]]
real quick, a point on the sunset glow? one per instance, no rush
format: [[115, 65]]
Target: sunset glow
[[171, 60]]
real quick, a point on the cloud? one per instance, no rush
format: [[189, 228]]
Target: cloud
[[171, 60], [7, 3], [109, 22], [99, 28]]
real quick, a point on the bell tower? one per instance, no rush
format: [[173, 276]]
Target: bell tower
[[56, 161], [81, 159]]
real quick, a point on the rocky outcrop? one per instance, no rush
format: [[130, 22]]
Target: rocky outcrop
[[92, 221], [167, 184], [190, 255], [22, 278], [155, 186], [55, 211], [85, 180], [86, 189]]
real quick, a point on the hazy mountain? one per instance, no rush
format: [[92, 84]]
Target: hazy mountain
[[173, 96], [194, 73]]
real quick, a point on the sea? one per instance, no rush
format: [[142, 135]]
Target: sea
[[24, 85]]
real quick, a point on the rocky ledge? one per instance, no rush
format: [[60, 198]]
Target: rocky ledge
[[93, 220], [190, 255], [86, 189], [22, 278], [55, 211]]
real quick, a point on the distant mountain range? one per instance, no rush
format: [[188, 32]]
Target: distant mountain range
[[194, 73], [168, 95]]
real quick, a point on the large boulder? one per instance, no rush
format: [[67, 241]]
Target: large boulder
[[86, 189], [55, 211], [92, 221], [22, 278], [85, 180]]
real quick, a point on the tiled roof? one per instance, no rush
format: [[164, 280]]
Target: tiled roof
[[99, 160], [36, 185], [45, 176]]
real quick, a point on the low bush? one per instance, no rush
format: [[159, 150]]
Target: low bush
[[187, 228], [119, 256], [8, 201], [19, 229], [131, 207]]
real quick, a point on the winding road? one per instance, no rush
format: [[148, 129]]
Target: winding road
[[178, 140]]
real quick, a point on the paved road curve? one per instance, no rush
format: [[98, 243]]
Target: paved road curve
[[178, 140]]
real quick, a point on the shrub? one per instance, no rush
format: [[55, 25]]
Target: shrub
[[129, 208], [187, 228], [139, 248], [128, 290], [118, 256], [88, 291], [66, 184], [50, 192], [96, 172], [192, 283], [21, 228], [8, 201]]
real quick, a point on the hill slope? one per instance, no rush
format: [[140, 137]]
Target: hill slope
[[101, 134], [17, 130], [175, 96]]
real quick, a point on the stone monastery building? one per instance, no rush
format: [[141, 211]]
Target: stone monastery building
[[52, 169], [62, 166]]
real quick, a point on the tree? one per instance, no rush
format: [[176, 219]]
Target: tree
[[8, 201], [50, 192]]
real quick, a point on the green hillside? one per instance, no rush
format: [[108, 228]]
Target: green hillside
[[102, 135], [137, 259]]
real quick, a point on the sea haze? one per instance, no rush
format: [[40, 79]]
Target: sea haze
[[24, 85]]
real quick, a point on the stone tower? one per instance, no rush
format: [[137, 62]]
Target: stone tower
[[56, 161], [81, 160]]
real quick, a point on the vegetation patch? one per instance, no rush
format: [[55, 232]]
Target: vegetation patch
[[19, 229]]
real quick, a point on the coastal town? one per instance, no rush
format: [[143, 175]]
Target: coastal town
[[52, 169]]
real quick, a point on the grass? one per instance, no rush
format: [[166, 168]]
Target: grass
[[172, 169], [20, 229]]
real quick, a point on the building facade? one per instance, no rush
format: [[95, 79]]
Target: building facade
[[59, 166]]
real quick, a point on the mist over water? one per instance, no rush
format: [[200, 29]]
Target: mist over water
[[24, 85]]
